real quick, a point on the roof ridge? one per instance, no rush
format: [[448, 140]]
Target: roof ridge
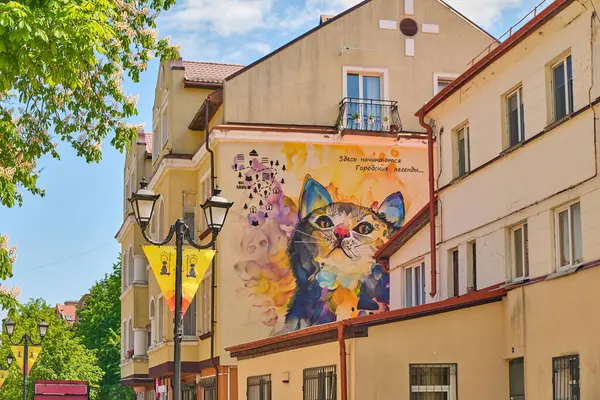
[[213, 63]]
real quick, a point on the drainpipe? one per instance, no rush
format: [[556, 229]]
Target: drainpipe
[[343, 367], [432, 246], [213, 322]]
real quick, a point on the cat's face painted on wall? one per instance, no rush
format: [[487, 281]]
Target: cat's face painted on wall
[[337, 240]]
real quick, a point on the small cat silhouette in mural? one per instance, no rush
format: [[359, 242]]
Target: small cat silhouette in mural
[[331, 254], [164, 270]]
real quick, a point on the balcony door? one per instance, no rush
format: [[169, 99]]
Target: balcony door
[[364, 111]]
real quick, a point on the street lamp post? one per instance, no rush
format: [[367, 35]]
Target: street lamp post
[[215, 211], [26, 340]]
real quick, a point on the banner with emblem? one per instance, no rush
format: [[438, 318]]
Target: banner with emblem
[[3, 376], [162, 260], [18, 352]]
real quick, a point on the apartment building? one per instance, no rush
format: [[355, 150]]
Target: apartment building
[[318, 147], [503, 306]]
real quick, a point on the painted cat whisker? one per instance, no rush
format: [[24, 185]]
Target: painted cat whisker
[[310, 236]]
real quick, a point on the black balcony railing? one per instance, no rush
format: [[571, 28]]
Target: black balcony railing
[[369, 115]]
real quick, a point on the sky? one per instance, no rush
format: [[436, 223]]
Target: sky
[[66, 239]]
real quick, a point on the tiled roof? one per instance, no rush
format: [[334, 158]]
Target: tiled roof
[[208, 72], [145, 137], [67, 312]]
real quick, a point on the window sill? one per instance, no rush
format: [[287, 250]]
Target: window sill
[[512, 148], [459, 178], [565, 271], [515, 282], [205, 336]]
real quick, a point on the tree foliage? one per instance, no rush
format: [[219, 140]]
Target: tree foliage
[[63, 356], [62, 65], [99, 328]]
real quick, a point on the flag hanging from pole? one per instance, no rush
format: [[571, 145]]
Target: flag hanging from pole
[[34, 353], [3, 376], [195, 263], [18, 354]]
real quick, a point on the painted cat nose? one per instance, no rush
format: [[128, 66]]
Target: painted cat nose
[[341, 233]]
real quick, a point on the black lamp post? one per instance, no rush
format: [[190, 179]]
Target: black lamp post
[[26, 340], [215, 211]]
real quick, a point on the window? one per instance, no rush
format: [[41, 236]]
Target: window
[[148, 336], [188, 391], [123, 339], [562, 88], [414, 285], [124, 273], [365, 88], [516, 372], [210, 393], [164, 127], [454, 271], [462, 158], [519, 241], [130, 267], [189, 211], [130, 342], [68, 318], [161, 320], [471, 267], [515, 117], [259, 387], [441, 80], [205, 194], [153, 333], [205, 292], [565, 377], [433, 381], [190, 319], [568, 236], [320, 383]]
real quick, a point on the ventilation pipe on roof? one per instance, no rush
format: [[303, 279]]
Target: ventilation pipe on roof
[[432, 240]]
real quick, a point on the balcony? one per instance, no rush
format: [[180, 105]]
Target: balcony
[[377, 116]]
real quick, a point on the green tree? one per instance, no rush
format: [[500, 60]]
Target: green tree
[[62, 65], [63, 355], [99, 328]]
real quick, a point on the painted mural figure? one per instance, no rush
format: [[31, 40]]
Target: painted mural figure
[[331, 256]]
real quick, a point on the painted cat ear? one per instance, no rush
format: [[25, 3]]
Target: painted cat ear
[[313, 196], [392, 209]]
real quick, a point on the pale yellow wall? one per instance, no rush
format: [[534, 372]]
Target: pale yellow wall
[[552, 319], [472, 338], [302, 84], [293, 362]]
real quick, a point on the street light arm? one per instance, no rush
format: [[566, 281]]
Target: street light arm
[[19, 342], [157, 243], [31, 342], [190, 239]]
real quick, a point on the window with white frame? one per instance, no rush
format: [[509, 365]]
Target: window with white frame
[[205, 194], [153, 331], [519, 242], [161, 320], [155, 135], [164, 126], [364, 89], [123, 340], [568, 236], [190, 320], [433, 381], [414, 285], [441, 80], [206, 299], [472, 266], [562, 88], [462, 161], [130, 339], [515, 118], [189, 211], [130, 267]]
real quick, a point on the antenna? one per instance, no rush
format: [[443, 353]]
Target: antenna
[[347, 48]]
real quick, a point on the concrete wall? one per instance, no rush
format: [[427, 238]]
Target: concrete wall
[[289, 87]]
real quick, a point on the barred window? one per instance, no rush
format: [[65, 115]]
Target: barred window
[[565, 377], [210, 393], [320, 383], [259, 387], [188, 392], [433, 382]]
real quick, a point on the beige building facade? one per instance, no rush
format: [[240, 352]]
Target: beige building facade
[[317, 146]]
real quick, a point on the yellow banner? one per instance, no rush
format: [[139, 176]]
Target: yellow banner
[[3, 376], [162, 259], [34, 353]]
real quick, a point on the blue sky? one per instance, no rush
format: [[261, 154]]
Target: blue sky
[[66, 240]]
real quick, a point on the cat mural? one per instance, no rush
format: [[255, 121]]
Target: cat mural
[[331, 256]]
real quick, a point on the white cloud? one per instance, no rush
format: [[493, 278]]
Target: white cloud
[[485, 12], [223, 17]]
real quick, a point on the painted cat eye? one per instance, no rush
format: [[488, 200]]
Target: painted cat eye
[[364, 228], [324, 222]]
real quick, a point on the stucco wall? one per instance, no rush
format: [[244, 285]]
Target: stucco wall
[[471, 338], [288, 87]]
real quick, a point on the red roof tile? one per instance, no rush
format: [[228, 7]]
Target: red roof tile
[[208, 72]]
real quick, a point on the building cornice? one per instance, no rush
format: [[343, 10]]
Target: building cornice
[[129, 219]]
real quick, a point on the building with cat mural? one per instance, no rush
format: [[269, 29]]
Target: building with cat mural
[[503, 304], [317, 146]]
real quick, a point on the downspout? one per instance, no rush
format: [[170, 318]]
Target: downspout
[[432, 241], [213, 322], [343, 366]]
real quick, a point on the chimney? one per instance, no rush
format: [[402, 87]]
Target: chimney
[[325, 18]]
